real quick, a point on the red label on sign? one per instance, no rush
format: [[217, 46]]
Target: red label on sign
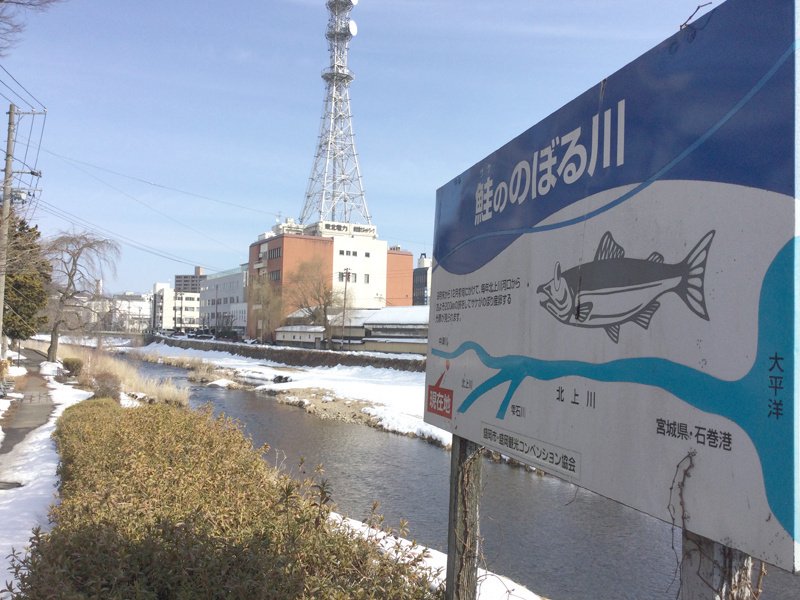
[[440, 401]]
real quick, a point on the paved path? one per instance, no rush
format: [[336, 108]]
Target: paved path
[[29, 412]]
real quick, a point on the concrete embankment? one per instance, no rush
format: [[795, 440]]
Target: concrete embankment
[[299, 357]]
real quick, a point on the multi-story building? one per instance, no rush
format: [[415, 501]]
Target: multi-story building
[[190, 283], [348, 258], [223, 304], [422, 280], [173, 310], [131, 312]]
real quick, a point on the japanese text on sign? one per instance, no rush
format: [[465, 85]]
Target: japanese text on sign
[[575, 398], [483, 295], [564, 159], [548, 456], [775, 385], [702, 436], [440, 401]]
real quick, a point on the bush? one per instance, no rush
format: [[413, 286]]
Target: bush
[[73, 366], [106, 385], [161, 502]]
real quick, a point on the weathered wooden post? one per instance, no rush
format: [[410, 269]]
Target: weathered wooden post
[[463, 539], [711, 571]]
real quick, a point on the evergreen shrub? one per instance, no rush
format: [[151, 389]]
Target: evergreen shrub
[[73, 366], [161, 502]]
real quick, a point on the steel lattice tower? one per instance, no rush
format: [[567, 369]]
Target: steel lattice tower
[[335, 190]]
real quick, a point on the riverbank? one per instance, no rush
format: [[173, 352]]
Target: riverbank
[[301, 357], [385, 398], [348, 394]]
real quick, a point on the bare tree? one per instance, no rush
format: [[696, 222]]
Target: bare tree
[[267, 306], [79, 261], [11, 19], [311, 292]]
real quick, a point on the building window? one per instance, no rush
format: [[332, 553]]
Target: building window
[[366, 254], [341, 252], [274, 275], [353, 278], [341, 276], [347, 253], [366, 277], [275, 253], [355, 253]]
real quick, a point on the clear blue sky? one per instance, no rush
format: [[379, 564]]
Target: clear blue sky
[[223, 101]]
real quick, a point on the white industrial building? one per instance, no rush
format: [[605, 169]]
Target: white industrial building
[[174, 311], [131, 312], [223, 301]]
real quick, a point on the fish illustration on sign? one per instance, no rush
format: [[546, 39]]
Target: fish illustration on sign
[[612, 290]]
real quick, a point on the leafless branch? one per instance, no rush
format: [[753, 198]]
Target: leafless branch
[[696, 10]]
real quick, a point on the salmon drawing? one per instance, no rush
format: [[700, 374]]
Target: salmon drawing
[[613, 290]]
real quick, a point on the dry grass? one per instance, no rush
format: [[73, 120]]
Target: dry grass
[[100, 368], [200, 371], [183, 362]]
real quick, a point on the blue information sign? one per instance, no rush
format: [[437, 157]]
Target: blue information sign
[[614, 297]]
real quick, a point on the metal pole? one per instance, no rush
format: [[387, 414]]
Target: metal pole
[[463, 537], [6, 213]]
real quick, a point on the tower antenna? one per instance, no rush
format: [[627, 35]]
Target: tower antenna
[[335, 190]]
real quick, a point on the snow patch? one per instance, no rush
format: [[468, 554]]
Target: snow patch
[[490, 585], [222, 383]]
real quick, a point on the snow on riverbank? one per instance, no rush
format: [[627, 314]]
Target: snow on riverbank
[[396, 397], [490, 585], [32, 464]]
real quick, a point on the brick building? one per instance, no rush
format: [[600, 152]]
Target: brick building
[[348, 257]]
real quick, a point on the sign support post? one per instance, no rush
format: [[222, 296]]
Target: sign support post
[[463, 540], [712, 571]]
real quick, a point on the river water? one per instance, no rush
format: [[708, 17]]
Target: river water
[[558, 540]]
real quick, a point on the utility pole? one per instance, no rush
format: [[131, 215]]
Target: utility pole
[[6, 213], [344, 303]]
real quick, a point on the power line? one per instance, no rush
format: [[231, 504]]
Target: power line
[[155, 210], [24, 89], [14, 93], [97, 229], [26, 98], [159, 185]]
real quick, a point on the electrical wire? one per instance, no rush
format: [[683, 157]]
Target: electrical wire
[[103, 232], [155, 210], [159, 185], [24, 89]]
